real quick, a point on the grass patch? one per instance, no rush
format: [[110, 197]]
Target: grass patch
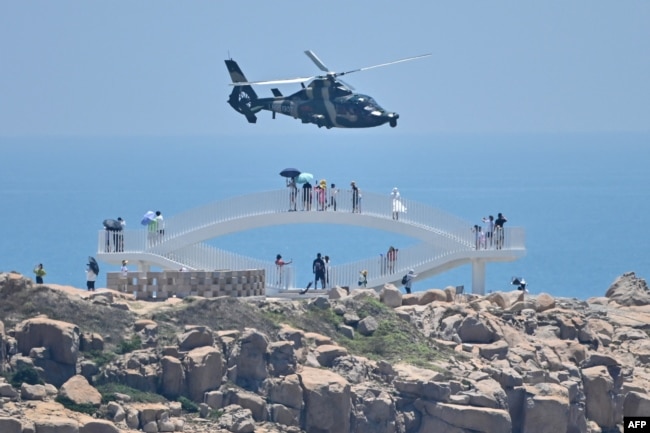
[[188, 405], [88, 409], [24, 374], [108, 391], [392, 342], [100, 358], [127, 346]]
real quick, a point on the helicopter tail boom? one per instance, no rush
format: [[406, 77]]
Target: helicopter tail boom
[[242, 98]]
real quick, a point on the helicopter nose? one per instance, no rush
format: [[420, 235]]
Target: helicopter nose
[[392, 119]]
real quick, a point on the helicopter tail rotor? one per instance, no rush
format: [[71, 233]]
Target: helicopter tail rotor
[[243, 97]]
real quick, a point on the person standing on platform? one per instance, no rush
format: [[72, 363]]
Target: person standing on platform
[[279, 263], [40, 273], [318, 267], [498, 230], [91, 277], [356, 198]]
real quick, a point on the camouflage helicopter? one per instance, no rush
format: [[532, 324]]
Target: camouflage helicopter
[[327, 101]]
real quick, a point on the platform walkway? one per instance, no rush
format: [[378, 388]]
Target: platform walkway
[[446, 241]]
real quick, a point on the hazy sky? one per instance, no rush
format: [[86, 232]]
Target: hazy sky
[[156, 67]]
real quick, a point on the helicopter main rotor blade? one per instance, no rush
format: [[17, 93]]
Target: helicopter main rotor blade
[[262, 83], [383, 64], [317, 61]]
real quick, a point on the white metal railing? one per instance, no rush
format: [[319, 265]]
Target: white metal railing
[[278, 201], [454, 234]]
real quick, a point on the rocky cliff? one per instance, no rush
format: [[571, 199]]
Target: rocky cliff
[[367, 361]]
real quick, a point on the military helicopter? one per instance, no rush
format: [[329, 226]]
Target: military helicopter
[[327, 101]]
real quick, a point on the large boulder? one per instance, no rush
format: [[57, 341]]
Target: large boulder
[[327, 401], [475, 419], [629, 290], [194, 337], [79, 391], [203, 371], [286, 391], [599, 394], [282, 358], [3, 347], [99, 426], [474, 330], [172, 381], [374, 411], [546, 409], [391, 296], [249, 359], [61, 339], [10, 425]]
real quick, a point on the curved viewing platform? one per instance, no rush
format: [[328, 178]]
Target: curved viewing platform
[[446, 241]]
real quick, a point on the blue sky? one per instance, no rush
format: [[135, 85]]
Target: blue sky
[[156, 67]]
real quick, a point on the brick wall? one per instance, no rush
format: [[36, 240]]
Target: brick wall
[[165, 284]]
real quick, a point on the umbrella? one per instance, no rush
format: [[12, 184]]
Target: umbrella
[[148, 217], [290, 172], [112, 225], [93, 265], [305, 177]]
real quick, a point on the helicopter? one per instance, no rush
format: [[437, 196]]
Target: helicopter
[[326, 101]]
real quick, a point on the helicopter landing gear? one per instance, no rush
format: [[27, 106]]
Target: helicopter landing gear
[[393, 123]]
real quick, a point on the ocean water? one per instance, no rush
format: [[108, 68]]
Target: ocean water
[[582, 198]]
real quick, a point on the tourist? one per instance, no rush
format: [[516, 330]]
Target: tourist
[[489, 229], [279, 263], [333, 192], [124, 274], [118, 235], [306, 196], [391, 258], [356, 197], [91, 276], [363, 278], [160, 224], [408, 280], [398, 206], [318, 268], [40, 273], [328, 269], [322, 194], [498, 230], [293, 193]]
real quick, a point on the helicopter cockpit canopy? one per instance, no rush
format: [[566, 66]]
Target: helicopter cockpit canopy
[[368, 103]]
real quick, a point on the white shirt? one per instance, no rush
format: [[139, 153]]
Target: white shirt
[[90, 275]]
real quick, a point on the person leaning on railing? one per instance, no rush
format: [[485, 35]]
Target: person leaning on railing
[[498, 230]]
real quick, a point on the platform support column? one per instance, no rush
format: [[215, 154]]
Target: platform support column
[[143, 266], [478, 277]]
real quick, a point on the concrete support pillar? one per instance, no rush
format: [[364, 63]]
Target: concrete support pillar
[[478, 277], [143, 266]]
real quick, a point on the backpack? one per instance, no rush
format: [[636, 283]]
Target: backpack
[[405, 279]]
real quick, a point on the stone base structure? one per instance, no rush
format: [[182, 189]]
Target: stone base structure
[[210, 284]]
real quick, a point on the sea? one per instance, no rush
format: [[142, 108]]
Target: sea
[[581, 198]]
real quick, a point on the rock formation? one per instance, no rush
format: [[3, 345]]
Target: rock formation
[[505, 362]]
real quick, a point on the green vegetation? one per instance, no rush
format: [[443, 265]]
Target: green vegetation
[[391, 342], [100, 358], [188, 405], [215, 414], [108, 391], [394, 340], [88, 409], [24, 374], [133, 343]]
